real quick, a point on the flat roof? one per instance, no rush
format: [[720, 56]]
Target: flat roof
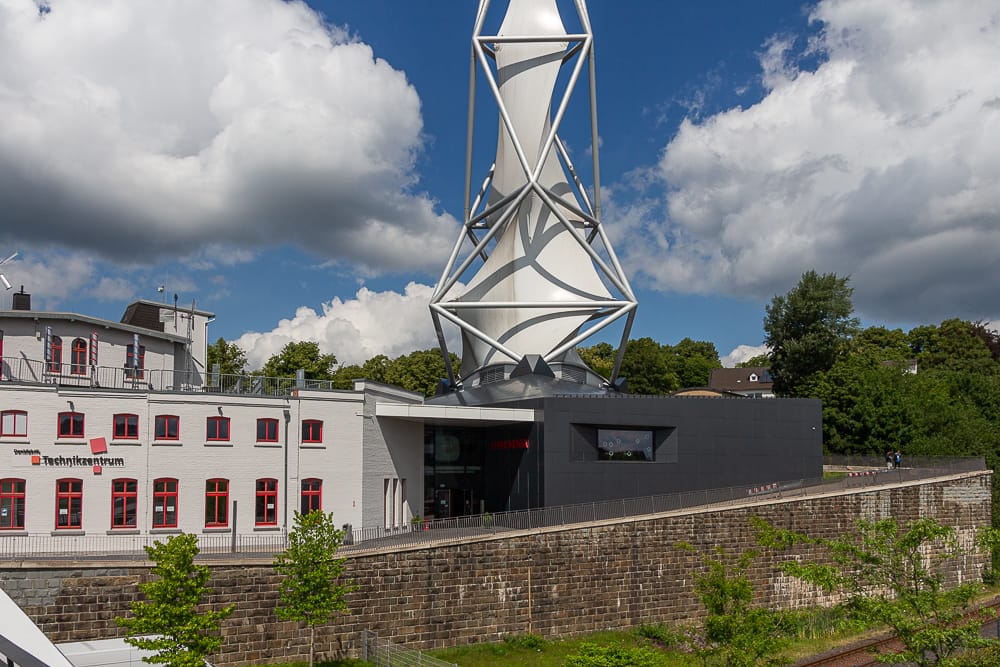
[[95, 321], [456, 414]]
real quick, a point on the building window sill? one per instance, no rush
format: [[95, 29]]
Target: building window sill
[[216, 529], [272, 445], [126, 443], [219, 444], [167, 443], [13, 533], [80, 441], [312, 445], [265, 529], [123, 531], [67, 531], [165, 531], [14, 440]]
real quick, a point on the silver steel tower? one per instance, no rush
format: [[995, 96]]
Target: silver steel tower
[[532, 271]]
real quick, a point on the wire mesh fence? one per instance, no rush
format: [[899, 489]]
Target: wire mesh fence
[[383, 653]]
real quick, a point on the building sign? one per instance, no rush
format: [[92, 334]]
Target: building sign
[[509, 443], [78, 461]]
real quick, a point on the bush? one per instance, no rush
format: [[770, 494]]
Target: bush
[[594, 655], [529, 641]]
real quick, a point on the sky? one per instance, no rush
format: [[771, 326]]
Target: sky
[[298, 169]]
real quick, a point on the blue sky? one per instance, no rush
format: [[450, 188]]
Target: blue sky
[[298, 170]]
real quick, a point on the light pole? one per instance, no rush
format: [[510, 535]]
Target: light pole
[[3, 278]]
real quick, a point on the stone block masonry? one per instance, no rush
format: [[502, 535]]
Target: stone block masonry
[[553, 582]]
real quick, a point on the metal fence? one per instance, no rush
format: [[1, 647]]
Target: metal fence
[[363, 540], [32, 371], [383, 653]]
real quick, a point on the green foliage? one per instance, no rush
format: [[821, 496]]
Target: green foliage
[[808, 329], [655, 368], [648, 367], [614, 655], [760, 361], [694, 361], [231, 358], [529, 641], [185, 636], [311, 590], [735, 632], [955, 345], [894, 576], [418, 371], [600, 358], [302, 354]]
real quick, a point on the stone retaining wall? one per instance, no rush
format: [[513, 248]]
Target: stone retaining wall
[[553, 582]]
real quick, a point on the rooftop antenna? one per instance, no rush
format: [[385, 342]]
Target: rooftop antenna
[[3, 278]]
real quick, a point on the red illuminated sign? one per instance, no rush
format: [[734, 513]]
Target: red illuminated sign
[[513, 443]]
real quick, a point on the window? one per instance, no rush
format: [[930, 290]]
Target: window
[[70, 424], [267, 503], [217, 428], [69, 503], [124, 500], [312, 495], [166, 427], [78, 357], [55, 355], [216, 503], [14, 423], [126, 427], [134, 365], [267, 430], [312, 430], [11, 504], [164, 503]]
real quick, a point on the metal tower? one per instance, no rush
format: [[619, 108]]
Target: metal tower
[[539, 273]]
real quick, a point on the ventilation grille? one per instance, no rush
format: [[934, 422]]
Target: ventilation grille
[[491, 375], [572, 374]]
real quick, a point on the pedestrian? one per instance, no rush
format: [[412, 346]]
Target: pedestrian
[[898, 458], [889, 458]]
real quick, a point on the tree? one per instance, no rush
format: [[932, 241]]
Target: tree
[[895, 575], [418, 371], [956, 345], [599, 357], [808, 329], [694, 361], [736, 632], [231, 358], [184, 635], [311, 590], [647, 366], [305, 355], [760, 361]]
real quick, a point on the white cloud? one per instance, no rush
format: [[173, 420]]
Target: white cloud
[[880, 164], [389, 323], [742, 353], [146, 128]]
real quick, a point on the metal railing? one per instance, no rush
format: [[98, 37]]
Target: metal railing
[[383, 653], [32, 371], [420, 532]]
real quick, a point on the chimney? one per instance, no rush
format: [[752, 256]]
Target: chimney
[[22, 301]]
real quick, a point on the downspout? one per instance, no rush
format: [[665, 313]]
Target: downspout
[[288, 490]]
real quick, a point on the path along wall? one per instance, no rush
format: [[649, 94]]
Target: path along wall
[[550, 582]]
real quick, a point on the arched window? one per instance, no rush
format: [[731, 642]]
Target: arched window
[[266, 506], [69, 504], [78, 357], [11, 504], [124, 500], [165, 503], [217, 429], [267, 430], [55, 355], [216, 503], [126, 427], [312, 495], [70, 425]]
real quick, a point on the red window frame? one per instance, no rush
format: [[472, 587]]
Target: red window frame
[[166, 427], [267, 430], [125, 426], [78, 357], [266, 502], [55, 355], [69, 497], [13, 414], [312, 495], [312, 430], [70, 425], [216, 503], [138, 371], [124, 503], [165, 502], [217, 429], [12, 499]]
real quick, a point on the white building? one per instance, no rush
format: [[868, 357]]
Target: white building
[[117, 428]]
